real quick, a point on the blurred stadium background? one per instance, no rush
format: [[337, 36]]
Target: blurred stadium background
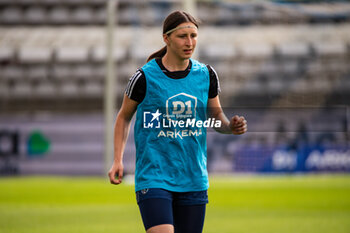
[[284, 65]]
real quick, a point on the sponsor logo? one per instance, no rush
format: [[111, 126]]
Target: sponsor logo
[[144, 191], [329, 159], [284, 160], [181, 106], [179, 119], [151, 120]]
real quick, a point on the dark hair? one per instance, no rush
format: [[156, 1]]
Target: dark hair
[[172, 21]]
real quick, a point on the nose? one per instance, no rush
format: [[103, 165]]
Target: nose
[[189, 41]]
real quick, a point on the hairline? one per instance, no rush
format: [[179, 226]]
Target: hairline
[[181, 27]]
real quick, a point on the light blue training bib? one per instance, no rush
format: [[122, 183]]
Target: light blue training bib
[[171, 149]]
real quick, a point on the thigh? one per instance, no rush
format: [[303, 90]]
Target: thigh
[[155, 207], [189, 211], [189, 218]]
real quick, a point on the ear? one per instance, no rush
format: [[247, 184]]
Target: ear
[[166, 39]]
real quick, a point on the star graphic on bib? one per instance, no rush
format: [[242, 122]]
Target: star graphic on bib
[[156, 115]]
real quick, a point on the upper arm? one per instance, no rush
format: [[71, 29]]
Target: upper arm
[[136, 88], [128, 108], [214, 87]]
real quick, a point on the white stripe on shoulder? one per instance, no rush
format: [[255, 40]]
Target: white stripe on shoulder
[[217, 78], [132, 87], [131, 81]]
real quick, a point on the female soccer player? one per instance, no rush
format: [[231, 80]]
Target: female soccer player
[[171, 95]]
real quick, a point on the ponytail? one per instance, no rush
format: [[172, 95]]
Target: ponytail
[[159, 53]]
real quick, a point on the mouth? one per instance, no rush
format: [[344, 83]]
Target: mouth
[[187, 51]]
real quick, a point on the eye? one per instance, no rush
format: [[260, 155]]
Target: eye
[[193, 35]]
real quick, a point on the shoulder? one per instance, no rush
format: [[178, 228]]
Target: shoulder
[[211, 70], [137, 75], [149, 65], [214, 88], [136, 81], [199, 68], [197, 64]]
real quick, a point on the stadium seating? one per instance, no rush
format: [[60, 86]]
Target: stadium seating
[[283, 50], [263, 66], [135, 12]]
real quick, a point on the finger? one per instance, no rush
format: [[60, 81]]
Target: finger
[[234, 121], [241, 130], [244, 127], [239, 125], [112, 179], [120, 175], [240, 121], [242, 124], [235, 118]]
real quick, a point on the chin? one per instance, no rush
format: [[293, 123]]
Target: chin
[[187, 56], [184, 56]]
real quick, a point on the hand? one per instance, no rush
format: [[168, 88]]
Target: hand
[[116, 173], [238, 125]]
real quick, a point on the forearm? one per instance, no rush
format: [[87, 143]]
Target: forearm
[[225, 123], [121, 132]]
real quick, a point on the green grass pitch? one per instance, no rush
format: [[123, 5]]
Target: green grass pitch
[[237, 204]]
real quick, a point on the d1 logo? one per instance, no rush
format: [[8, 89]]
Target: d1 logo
[[181, 106]]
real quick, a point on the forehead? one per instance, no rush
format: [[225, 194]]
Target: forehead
[[192, 29]]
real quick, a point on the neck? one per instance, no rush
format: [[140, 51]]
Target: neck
[[174, 64]]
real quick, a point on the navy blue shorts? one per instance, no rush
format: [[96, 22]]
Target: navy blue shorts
[[184, 210]]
